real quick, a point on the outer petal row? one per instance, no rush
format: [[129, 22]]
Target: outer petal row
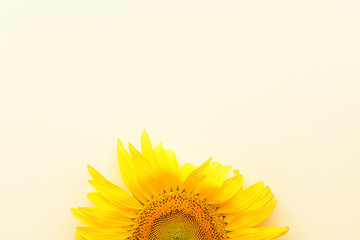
[[148, 173], [249, 207], [258, 233], [243, 208], [96, 233], [111, 219], [153, 171]]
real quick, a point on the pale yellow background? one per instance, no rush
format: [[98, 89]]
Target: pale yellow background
[[270, 87]]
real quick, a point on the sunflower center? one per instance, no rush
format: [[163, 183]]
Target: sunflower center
[[178, 216]]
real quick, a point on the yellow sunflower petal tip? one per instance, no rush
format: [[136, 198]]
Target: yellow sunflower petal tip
[[171, 202], [72, 210], [145, 134], [283, 232], [145, 139], [90, 168], [93, 173]]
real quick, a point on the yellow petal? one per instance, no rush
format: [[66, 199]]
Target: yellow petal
[[95, 217], [193, 180], [85, 217], [117, 198], [111, 192], [149, 173], [242, 200], [146, 147], [214, 176], [79, 237], [163, 163], [186, 170], [251, 217], [99, 201], [92, 233], [250, 207], [168, 167], [267, 233], [131, 174], [102, 203], [229, 189]]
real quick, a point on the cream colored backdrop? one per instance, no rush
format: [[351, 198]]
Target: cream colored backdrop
[[270, 87]]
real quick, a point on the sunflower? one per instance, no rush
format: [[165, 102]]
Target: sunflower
[[172, 203]]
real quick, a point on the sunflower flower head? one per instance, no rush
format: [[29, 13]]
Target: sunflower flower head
[[167, 202]]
